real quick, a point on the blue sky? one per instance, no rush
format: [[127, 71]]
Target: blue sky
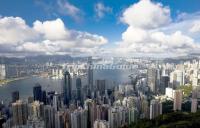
[[83, 16], [108, 26], [32, 10]]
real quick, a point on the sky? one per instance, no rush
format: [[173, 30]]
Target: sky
[[158, 28]]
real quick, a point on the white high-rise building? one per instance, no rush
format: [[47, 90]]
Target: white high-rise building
[[169, 92], [196, 78], [177, 78]]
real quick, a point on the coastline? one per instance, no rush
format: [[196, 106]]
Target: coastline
[[6, 81]]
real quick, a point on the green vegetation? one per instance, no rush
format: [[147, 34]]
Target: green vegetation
[[170, 120], [187, 89]]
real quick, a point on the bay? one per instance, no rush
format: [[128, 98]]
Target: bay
[[25, 86]]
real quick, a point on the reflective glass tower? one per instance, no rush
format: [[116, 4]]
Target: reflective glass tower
[[66, 89], [37, 92]]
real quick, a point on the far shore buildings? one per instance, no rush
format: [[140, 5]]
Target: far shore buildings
[[2, 71]]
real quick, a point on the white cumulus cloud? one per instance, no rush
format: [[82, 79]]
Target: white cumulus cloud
[[146, 14], [151, 31], [53, 30], [15, 31], [48, 37]]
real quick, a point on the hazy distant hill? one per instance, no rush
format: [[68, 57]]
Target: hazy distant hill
[[41, 59]]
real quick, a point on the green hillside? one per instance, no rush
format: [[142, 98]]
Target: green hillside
[[171, 120]]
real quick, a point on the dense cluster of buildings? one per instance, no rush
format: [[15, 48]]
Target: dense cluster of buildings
[[158, 90], [2, 72]]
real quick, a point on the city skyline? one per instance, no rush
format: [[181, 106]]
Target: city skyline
[[99, 28], [99, 63]]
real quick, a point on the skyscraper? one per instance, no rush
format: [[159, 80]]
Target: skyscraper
[[15, 96], [67, 118], [90, 74], [102, 112], [49, 116], [91, 108], [132, 115], [117, 116], [78, 88], [37, 92], [114, 118], [79, 118], [44, 97], [151, 79], [177, 94], [194, 105], [196, 78], [144, 108], [66, 90], [56, 101], [59, 120], [155, 109], [177, 78], [164, 84], [19, 112], [100, 86]]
